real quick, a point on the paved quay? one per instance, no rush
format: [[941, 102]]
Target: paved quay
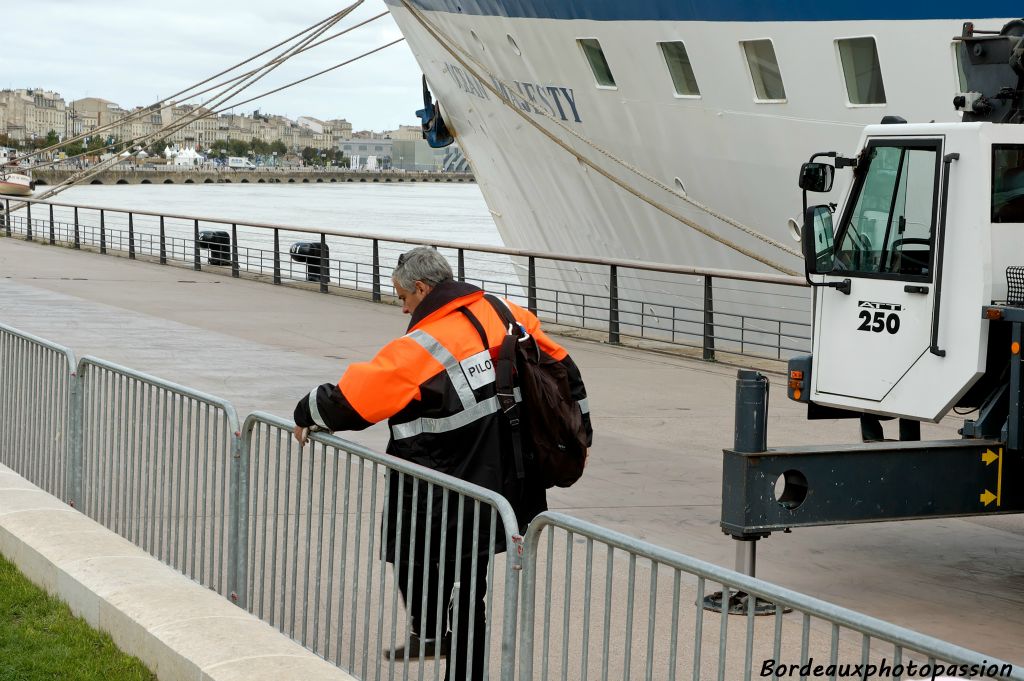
[[661, 422]]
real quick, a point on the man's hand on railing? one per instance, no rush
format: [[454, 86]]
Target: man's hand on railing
[[301, 433]]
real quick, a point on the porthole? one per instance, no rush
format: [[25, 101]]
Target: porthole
[[476, 39], [513, 45], [679, 67], [764, 70], [598, 63], [861, 70]]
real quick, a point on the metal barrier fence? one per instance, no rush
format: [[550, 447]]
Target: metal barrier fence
[[291, 534], [160, 465], [317, 572], [664, 638], [711, 310], [37, 382]]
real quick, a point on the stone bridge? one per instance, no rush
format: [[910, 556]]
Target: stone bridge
[[50, 176]]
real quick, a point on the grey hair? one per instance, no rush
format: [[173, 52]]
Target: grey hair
[[421, 264]]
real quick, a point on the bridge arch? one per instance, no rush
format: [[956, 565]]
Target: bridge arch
[[122, 181], [168, 181]]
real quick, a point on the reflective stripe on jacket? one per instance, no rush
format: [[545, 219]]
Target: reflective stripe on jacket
[[436, 387]]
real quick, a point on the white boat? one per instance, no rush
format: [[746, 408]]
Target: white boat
[[719, 101], [12, 182], [15, 184]]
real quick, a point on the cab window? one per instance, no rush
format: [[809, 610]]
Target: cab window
[[1008, 183], [889, 229]]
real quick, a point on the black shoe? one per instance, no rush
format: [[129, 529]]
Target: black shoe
[[411, 649]]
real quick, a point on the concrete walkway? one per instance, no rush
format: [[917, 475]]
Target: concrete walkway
[[661, 422]]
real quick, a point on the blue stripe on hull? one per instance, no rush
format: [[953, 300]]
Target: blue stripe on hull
[[726, 10]]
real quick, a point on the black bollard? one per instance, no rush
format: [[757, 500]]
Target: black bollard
[[751, 428]]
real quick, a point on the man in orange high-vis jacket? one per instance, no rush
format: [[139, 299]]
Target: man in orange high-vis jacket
[[436, 386]]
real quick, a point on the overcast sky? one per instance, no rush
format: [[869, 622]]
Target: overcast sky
[[134, 53]]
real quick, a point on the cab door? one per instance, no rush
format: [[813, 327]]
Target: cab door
[[868, 338]]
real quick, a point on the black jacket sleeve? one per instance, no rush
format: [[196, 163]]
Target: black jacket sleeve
[[326, 408]]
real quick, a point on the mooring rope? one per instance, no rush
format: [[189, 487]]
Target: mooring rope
[[463, 57]]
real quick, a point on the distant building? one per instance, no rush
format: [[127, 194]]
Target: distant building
[[314, 124], [29, 113], [342, 129], [365, 147], [406, 132], [33, 113]]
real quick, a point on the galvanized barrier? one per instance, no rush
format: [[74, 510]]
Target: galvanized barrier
[[605, 615], [710, 310], [302, 537], [160, 465], [37, 388], [321, 519]]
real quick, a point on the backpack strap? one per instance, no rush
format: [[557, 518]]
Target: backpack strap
[[504, 313], [504, 366], [476, 325]]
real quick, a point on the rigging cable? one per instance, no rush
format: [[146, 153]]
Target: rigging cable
[[451, 46], [154, 107], [163, 133], [199, 113]]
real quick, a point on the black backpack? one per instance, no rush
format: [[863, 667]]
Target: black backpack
[[548, 421]]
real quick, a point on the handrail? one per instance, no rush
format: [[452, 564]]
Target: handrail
[[155, 381], [468, 489], [738, 275], [779, 595]]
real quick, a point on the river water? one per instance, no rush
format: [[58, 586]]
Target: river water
[[442, 211], [438, 212]]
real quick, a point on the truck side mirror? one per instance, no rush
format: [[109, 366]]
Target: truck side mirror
[[816, 177], [817, 240]]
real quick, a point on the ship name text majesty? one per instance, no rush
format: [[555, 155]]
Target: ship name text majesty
[[554, 100]]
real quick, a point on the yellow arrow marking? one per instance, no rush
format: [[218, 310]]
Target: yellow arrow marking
[[989, 456], [987, 497]]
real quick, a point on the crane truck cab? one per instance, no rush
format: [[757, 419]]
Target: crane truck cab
[[903, 268], [918, 291]]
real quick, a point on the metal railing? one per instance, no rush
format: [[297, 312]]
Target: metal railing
[[291, 534], [37, 385], [159, 464], [317, 573], [710, 310], [618, 592]]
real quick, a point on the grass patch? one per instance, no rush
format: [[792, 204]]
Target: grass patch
[[41, 640]]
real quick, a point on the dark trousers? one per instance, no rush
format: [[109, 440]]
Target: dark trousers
[[455, 616]]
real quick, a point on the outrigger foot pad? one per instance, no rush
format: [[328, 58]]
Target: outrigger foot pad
[[738, 604]]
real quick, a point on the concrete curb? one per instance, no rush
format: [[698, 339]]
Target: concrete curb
[[178, 628]]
